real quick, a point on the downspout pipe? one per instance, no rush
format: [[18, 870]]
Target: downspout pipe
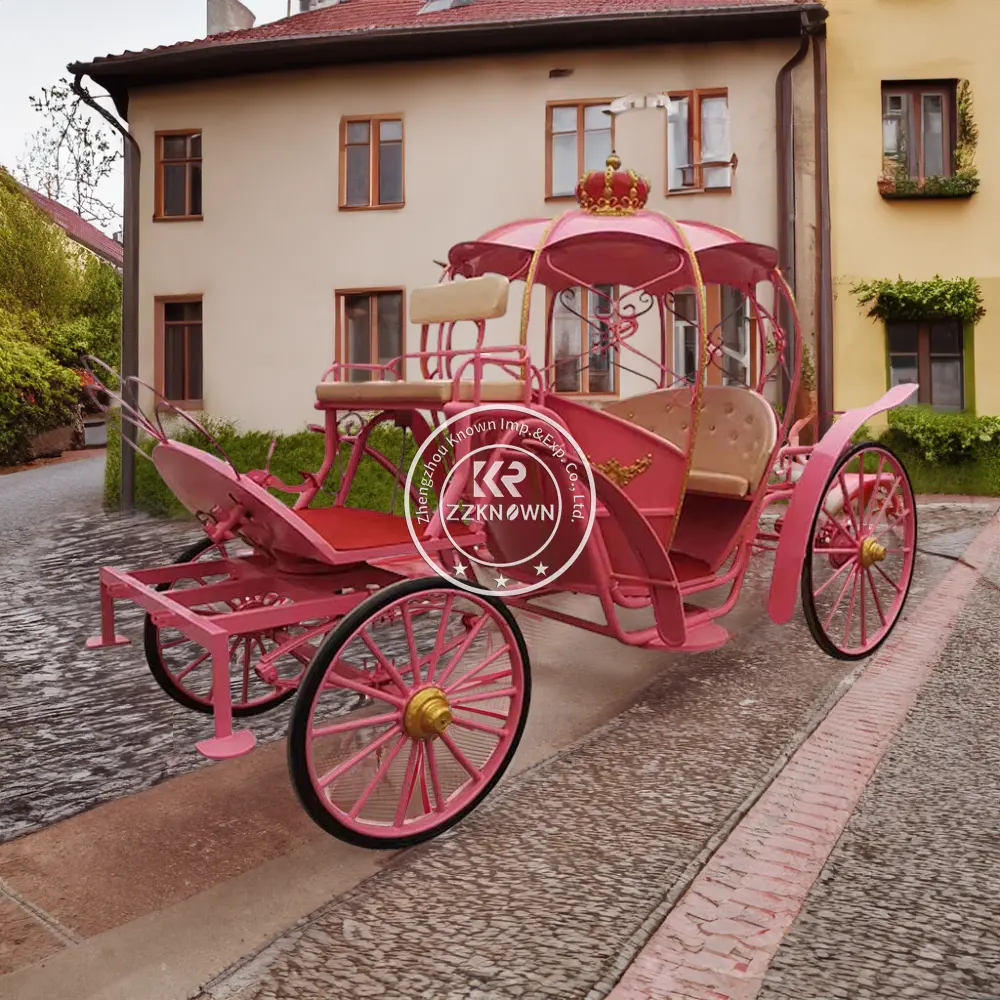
[[824, 248], [130, 291], [786, 186]]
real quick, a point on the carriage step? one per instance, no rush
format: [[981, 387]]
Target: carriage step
[[705, 637], [236, 745]]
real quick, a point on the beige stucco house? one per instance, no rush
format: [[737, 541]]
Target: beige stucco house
[[292, 183]]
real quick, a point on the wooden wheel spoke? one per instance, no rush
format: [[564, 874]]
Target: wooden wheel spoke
[[461, 651], [413, 768], [840, 597], [432, 767], [485, 696], [192, 666], [439, 649], [878, 603], [356, 759], [892, 583], [463, 682], [379, 775], [456, 752], [342, 681], [479, 727], [346, 727], [833, 576], [850, 608], [383, 661]]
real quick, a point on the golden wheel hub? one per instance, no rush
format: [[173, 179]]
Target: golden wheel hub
[[427, 714], [871, 552]]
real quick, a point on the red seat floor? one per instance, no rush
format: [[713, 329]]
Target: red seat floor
[[347, 528]]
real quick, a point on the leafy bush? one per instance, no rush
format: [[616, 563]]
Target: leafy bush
[[372, 488], [35, 395], [57, 302], [944, 437], [939, 298]]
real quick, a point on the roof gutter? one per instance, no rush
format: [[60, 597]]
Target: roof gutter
[[130, 293], [824, 250], [786, 187], [235, 58]]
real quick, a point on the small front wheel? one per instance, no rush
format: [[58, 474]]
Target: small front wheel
[[860, 558], [409, 714], [264, 665]]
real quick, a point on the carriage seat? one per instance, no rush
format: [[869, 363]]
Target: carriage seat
[[736, 433], [475, 300]]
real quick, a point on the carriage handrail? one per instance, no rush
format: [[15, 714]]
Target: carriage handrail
[[521, 353]]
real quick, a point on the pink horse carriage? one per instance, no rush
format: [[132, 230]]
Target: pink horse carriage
[[395, 632]]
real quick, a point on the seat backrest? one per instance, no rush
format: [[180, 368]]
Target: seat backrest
[[737, 428], [454, 301]]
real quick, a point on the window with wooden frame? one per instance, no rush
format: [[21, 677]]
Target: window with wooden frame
[[579, 136], [178, 176], [919, 126], [699, 148], [583, 360], [731, 328], [179, 357], [370, 330], [930, 354], [371, 162]]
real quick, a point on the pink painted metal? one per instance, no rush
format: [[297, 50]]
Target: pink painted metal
[[399, 677]]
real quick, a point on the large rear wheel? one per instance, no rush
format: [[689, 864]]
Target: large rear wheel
[[859, 562], [409, 714]]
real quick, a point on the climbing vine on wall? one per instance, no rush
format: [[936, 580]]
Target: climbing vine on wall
[[939, 298]]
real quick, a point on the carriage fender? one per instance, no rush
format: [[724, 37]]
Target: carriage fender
[[807, 496]]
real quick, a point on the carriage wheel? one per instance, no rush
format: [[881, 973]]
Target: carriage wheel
[[389, 765], [184, 670], [859, 563]]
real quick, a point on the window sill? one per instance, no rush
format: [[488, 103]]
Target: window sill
[[561, 197], [396, 206], [937, 189], [194, 405], [178, 218], [686, 191]]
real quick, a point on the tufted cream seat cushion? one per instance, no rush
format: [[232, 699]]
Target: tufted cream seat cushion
[[439, 391], [736, 433]]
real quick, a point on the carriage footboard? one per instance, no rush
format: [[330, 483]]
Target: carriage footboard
[[317, 602]]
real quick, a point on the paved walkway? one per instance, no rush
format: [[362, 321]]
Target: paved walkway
[[547, 891]]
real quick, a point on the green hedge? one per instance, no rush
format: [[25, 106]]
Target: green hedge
[[372, 488]]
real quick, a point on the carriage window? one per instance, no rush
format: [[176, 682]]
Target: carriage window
[[918, 127], [178, 175], [698, 142], [583, 360], [579, 138], [371, 162], [685, 327], [181, 362], [735, 338], [931, 355], [370, 331]]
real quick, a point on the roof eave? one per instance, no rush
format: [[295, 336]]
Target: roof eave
[[119, 74]]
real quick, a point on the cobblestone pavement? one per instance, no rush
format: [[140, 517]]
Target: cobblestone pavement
[[907, 905], [541, 890]]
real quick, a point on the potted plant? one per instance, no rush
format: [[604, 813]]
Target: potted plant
[[887, 182], [806, 405]]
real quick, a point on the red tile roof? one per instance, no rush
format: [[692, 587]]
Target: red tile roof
[[369, 17], [79, 229]]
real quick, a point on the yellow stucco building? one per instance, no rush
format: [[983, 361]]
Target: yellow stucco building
[[913, 195]]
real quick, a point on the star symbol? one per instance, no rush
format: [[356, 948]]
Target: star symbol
[[460, 569], [541, 569], [502, 581]]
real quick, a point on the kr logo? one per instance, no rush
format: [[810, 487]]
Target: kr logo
[[516, 475]]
